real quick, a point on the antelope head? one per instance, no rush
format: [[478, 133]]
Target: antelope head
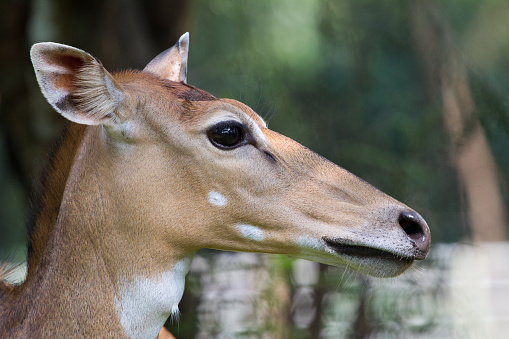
[[208, 173], [173, 169]]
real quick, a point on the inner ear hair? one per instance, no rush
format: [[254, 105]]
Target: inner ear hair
[[97, 94], [76, 84]]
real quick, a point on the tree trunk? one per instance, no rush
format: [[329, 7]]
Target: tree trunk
[[471, 155]]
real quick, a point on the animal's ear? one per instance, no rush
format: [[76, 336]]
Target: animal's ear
[[76, 84], [172, 63]]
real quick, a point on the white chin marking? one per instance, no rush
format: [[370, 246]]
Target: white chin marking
[[250, 232], [144, 304], [217, 199]]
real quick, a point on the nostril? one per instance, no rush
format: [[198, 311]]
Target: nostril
[[417, 230], [410, 223]]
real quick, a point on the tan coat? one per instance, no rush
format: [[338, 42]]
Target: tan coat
[[149, 171]]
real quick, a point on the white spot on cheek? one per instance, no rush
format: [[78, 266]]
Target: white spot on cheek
[[310, 243], [144, 304], [217, 199], [250, 232]]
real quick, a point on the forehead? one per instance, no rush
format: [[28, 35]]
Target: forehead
[[192, 103], [147, 83]]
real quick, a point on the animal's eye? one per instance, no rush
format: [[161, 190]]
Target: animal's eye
[[227, 135]]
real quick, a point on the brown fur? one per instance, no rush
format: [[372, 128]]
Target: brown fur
[[46, 204], [45, 209]]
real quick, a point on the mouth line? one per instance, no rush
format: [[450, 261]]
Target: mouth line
[[346, 248]]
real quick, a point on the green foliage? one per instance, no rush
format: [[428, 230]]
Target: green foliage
[[344, 78]]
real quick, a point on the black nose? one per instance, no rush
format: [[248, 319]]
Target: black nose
[[418, 231]]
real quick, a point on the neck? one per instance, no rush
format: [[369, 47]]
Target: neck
[[96, 275], [46, 204]]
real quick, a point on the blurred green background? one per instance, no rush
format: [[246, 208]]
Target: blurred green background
[[409, 95]]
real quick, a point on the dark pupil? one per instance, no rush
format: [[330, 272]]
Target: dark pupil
[[226, 135]]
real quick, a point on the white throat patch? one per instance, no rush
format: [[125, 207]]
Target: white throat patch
[[143, 304]]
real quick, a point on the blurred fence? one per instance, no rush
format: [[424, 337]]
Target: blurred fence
[[459, 291]]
